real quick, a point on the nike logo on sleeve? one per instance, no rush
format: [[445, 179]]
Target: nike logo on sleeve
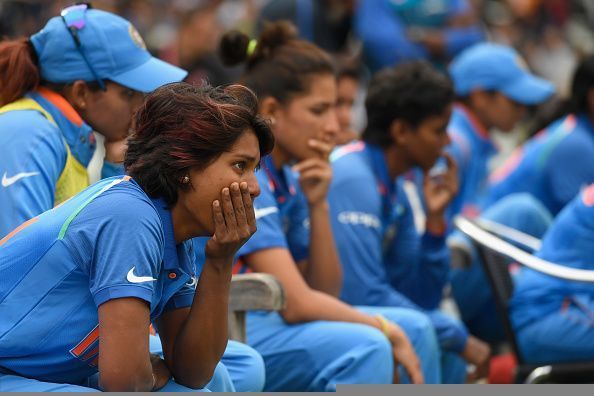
[[7, 181], [138, 279]]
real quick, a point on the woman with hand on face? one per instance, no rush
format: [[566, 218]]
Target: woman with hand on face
[[375, 210], [317, 341], [83, 281], [85, 70]]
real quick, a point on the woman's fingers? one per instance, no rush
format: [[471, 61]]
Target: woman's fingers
[[248, 206], [219, 219], [238, 207], [322, 148], [410, 362], [228, 210]]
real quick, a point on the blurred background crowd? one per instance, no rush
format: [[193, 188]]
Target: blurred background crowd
[[551, 34], [364, 35]]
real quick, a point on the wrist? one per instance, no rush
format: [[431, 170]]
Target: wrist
[[384, 325], [436, 224], [319, 206]]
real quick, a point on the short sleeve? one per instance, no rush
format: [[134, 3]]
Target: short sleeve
[[119, 241]]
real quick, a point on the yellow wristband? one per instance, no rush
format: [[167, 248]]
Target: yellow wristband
[[384, 325]]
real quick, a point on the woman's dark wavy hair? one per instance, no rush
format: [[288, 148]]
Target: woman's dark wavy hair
[[281, 64], [411, 92], [182, 126]]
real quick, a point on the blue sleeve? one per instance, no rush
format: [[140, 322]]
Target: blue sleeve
[[270, 233], [110, 169], [567, 171], [418, 265], [119, 239], [383, 35], [30, 169], [355, 213]]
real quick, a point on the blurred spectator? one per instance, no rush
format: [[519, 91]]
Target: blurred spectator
[[327, 23], [393, 31], [194, 47]]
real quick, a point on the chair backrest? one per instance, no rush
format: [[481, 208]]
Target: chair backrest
[[496, 267]]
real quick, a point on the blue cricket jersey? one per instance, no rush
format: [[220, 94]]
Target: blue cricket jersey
[[35, 154], [282, 213], [385, 261], [109, 241], [472, 149], [569, 241], [552, 166]]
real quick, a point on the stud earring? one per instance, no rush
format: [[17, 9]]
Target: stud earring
[[185, 179]]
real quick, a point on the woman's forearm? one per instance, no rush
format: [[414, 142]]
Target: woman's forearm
[[321, 306], [202, 340], [323, 271]]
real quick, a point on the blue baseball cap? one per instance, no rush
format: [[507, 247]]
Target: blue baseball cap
[[111, 45], [500, 68]]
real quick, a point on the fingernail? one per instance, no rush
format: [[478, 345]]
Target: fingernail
[[226, 191], [244, 186], [216, 203], [235, 186]]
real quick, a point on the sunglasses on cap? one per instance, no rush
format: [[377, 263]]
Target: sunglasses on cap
[[74, 19]]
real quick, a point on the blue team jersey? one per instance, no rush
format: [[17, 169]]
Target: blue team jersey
[[374, 228], [552, 166], [35, 155], [472, 149], [568, 242], [109, 241], [385, 261], [282, 214]]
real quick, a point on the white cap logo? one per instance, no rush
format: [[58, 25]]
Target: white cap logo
[[136, 37]]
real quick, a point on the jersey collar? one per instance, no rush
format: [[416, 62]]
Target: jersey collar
[[281, 186], [386, 186], [76, 132]]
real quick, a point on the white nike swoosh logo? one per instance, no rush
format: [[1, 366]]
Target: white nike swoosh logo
[[138, 279], [7, 181], [265, 211], [192, 282]]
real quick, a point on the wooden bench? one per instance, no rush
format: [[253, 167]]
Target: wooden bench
[[252, 292]]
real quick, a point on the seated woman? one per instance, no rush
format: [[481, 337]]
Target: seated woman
[[56, 88], [318, 341], [386, 261], [81, 283], [554, 318]]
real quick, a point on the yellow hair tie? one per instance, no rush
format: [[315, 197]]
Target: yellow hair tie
[[251, 47], [384, 324]]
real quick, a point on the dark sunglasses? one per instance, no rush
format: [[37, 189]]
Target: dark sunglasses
[[74, 19]]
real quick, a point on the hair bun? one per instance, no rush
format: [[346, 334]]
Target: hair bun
[[276, 34], [233, 48]]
